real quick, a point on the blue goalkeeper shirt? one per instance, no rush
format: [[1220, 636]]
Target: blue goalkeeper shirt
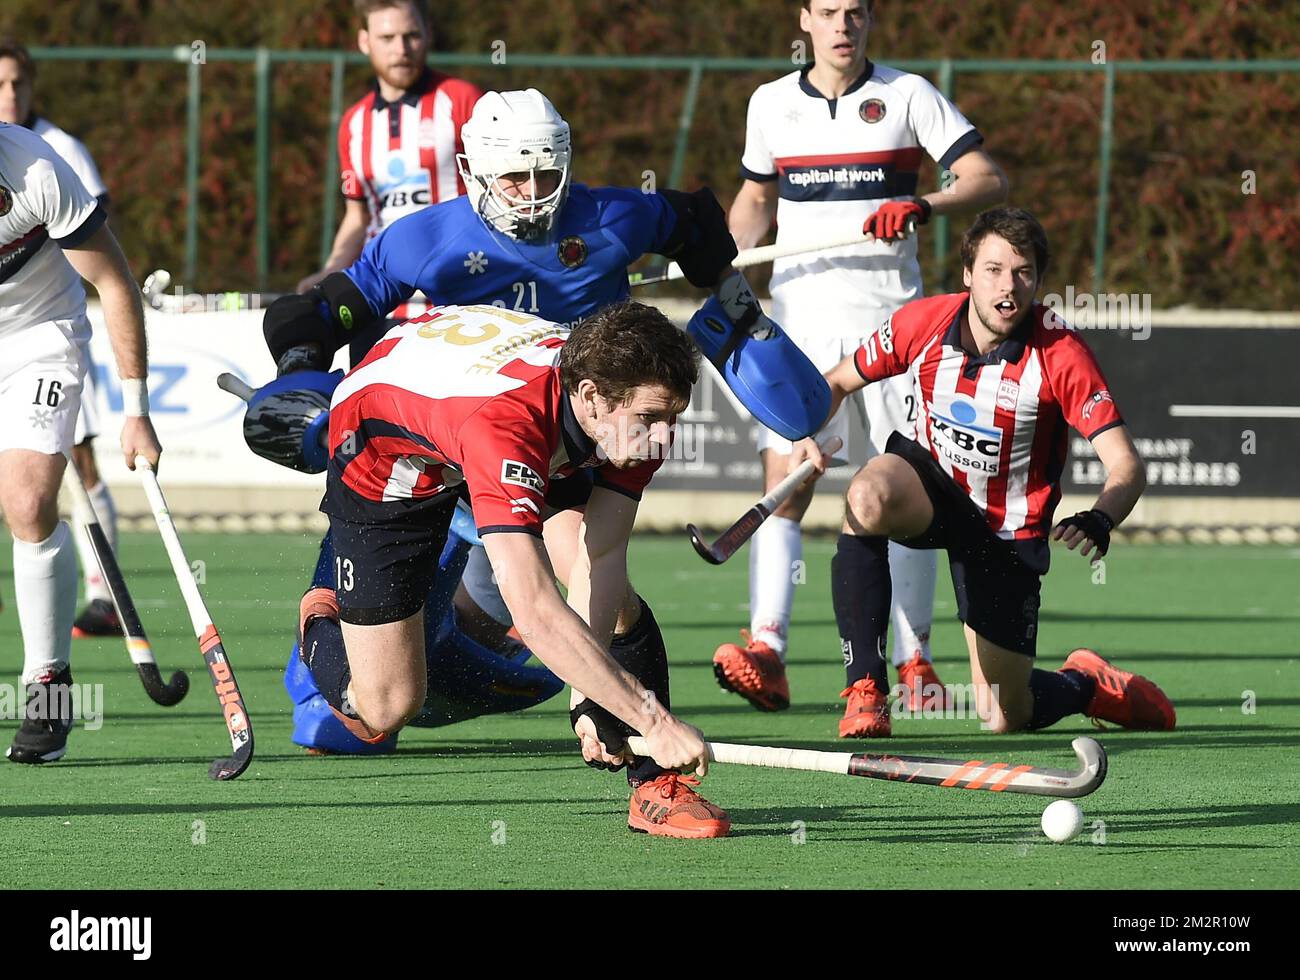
[[451, 255]]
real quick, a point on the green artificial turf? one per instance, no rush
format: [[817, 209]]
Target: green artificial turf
[[506, 802]]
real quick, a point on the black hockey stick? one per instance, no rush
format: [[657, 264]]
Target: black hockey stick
[[729, 542], [137, 643]]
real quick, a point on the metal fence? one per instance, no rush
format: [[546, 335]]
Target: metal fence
[[263, 60]]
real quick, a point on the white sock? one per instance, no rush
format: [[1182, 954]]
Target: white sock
[[96, 587], [913, 573], [773, 551], [45, 591]]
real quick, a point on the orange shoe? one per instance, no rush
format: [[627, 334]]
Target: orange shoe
[[925, 690], [754, 671], [668, 806], [867, 714], [316, 603], [1124, 699]]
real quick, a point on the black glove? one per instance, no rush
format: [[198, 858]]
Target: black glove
[[610, 730], [1095, 524]]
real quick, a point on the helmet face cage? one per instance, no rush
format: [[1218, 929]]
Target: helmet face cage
[[523, 136]]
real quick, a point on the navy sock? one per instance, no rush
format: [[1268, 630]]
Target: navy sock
[[642, 653], [323, 652], [861, 592], [1058, 693]]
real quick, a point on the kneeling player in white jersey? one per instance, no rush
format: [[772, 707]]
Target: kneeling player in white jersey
[[999, 381], [501, 406], [17, 82], [829, 149], [51, 232]]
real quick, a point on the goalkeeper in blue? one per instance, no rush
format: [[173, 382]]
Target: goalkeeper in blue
[[527, 239]]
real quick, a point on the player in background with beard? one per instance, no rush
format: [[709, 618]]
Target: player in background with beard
[[398, 144], [1000, 380]]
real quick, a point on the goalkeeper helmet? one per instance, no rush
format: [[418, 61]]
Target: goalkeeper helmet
[[516, 133]]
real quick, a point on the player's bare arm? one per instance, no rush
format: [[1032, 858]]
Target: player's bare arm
[[99, 260], [752, 212], [598, 587], [843, 379], [562, 641], [1125, 481], [978, 182], [349, 240]]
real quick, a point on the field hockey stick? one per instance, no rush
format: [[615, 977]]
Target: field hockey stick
[[730, 540], [228, 382], [224, 684], [767, 253], [996, 777], [137, 643], [156, 297]]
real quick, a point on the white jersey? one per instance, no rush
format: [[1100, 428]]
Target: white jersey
[[74, 154], [837, 161], [44, 208]]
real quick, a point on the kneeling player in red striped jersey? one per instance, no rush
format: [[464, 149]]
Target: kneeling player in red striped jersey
[[499, 406], [999, 379]]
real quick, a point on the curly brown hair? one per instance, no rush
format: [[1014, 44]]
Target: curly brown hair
[[626, 345]]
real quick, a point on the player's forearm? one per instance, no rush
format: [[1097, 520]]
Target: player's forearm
[[348, 243], [843, 380], [596, 591], [970, 192], [749, 220], [124, 316], [564, 643], [1124, 485]]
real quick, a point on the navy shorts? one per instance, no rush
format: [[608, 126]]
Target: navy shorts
[[997, 582], [383, 570]]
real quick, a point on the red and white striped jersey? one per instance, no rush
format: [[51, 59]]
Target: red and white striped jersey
[[400, 156], [462, 395], [996, 423]]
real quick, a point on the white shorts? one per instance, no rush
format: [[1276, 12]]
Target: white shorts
[[885, 406], [88, 417], [41, 372]]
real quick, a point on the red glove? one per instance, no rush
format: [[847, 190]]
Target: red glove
[[897, 219]]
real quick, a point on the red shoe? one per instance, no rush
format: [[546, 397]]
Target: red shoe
[[1124, 699], [754, 671], [316, 603], [925, 690], [98, 618], [668, 806], [867, 713]]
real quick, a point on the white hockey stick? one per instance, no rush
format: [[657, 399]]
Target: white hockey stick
[[238, 725], [997, 777], [768, 253]]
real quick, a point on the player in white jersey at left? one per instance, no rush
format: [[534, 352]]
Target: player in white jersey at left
[[831, 148], [53, 235], [17, 83]]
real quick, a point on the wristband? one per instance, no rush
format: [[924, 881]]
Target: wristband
[[135, 397]]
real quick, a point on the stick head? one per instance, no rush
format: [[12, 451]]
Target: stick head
[[233, 767], [702, 547], [166, 694], [1092, 760]]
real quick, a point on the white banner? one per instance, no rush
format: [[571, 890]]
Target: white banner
[[199, 425]]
